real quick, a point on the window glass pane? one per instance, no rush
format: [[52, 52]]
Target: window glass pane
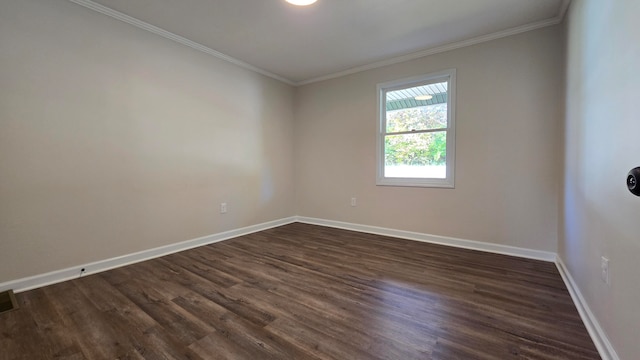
[[417, 118], [420, 155], [417, 108]]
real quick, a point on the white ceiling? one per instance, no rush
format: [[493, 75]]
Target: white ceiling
[[331, 37]]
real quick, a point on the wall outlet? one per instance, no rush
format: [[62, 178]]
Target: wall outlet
[[223, 208], [353, 201], [604, 267]]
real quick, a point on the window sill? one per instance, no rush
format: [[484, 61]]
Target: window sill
[[426, 183]]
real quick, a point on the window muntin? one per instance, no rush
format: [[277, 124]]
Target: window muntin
[[416, 142]]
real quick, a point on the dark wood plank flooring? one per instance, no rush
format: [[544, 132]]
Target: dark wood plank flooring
[[305, 292]]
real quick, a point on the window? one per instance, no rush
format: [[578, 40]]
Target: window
[[416, 137]]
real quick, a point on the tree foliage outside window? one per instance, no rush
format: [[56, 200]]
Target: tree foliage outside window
[[416, 149]]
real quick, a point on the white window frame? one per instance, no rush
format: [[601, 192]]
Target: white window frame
[[382, 89]]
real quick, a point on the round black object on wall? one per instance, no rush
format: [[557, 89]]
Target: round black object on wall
[[632, 181]]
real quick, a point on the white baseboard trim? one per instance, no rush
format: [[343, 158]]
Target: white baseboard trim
[[600, 339], [57, 276], [435, 239]]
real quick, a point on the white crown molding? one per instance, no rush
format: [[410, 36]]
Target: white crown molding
[[395, 60], [436, 50], [177, 38], [73, 272], [564, 7], [435, 239], [599, 337]]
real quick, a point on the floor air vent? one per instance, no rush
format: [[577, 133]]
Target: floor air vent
[[7, 301]]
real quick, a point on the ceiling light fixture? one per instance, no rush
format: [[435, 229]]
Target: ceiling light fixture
[[301, 2], [423, 97]]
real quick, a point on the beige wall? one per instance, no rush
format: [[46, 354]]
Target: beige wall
[[601, 218], [115, 140], [508, 146]]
